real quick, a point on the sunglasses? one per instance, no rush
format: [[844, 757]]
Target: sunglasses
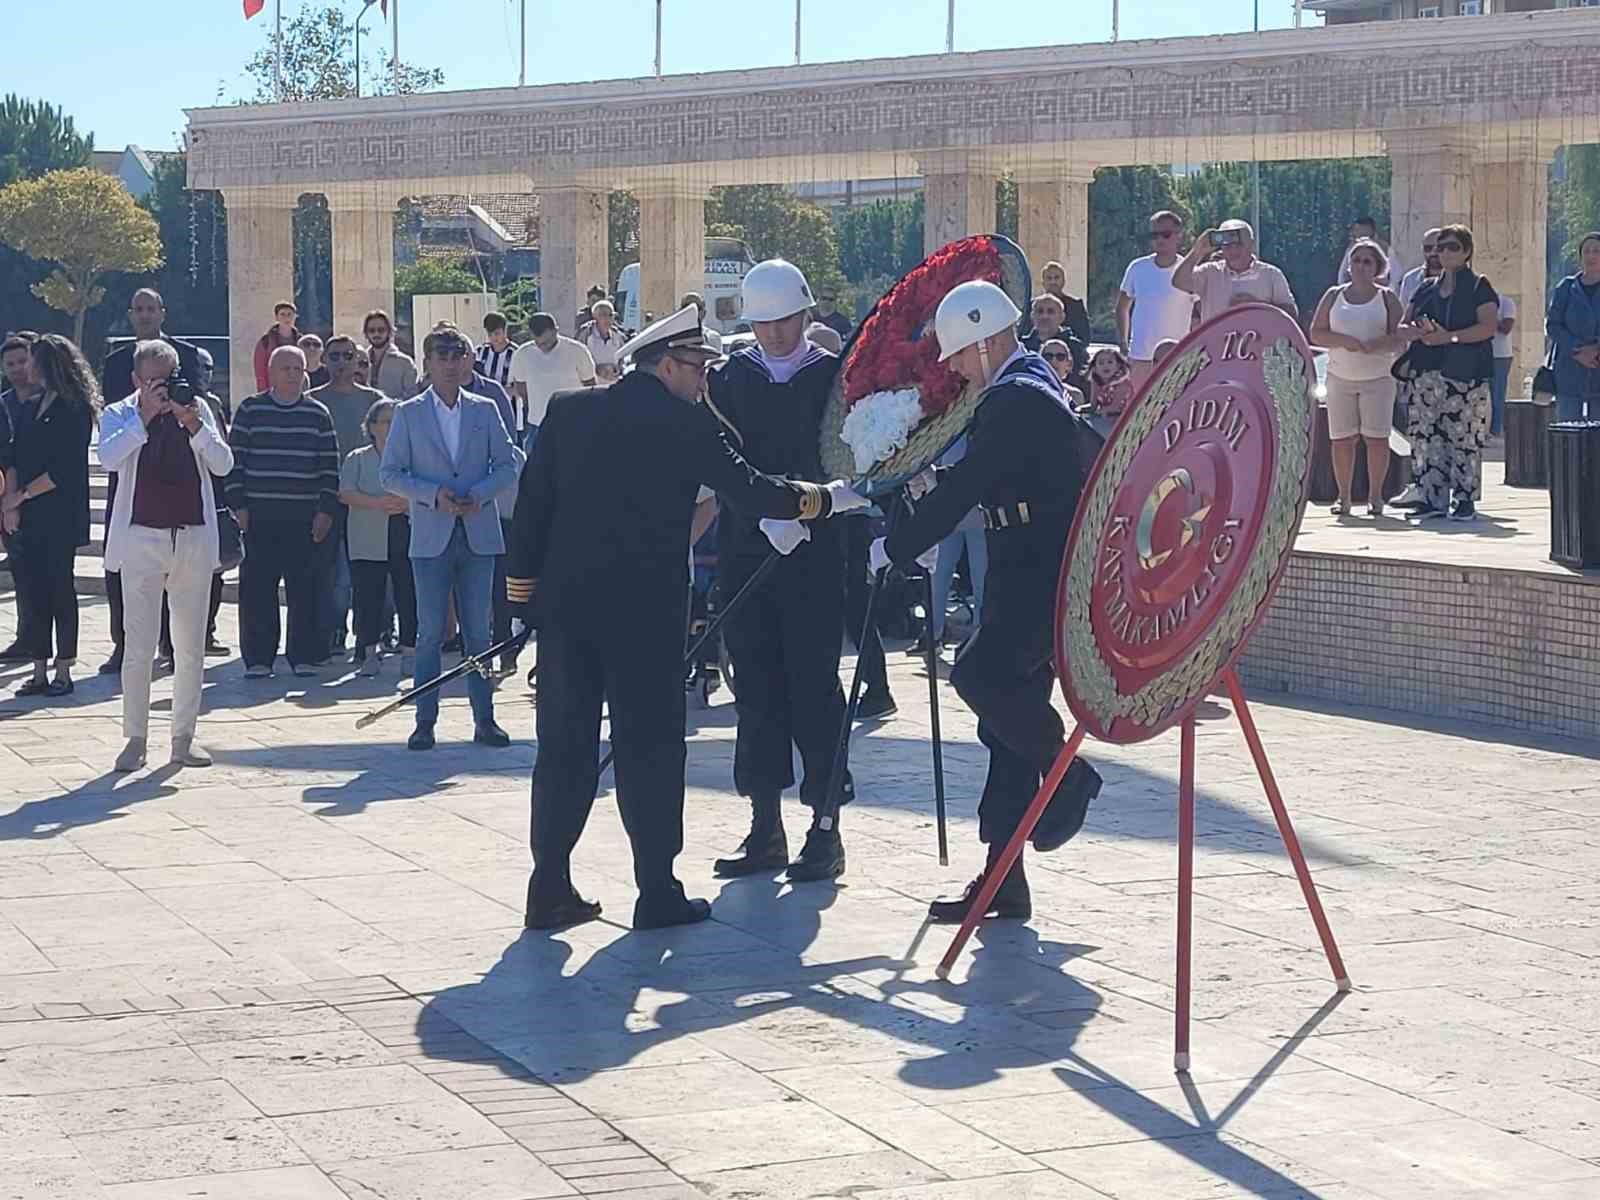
[[1057, 356], [340, 355], [1451, 246]]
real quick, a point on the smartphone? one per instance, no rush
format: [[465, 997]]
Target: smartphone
[[1225, 237]]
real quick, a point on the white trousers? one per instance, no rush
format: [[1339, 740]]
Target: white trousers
[[177, 562]]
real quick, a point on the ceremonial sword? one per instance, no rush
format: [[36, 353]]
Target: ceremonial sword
[[474, 662]]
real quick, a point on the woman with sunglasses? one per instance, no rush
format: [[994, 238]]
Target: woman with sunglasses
[[1446, 378]]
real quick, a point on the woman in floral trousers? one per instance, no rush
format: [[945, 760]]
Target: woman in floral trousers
[[1445, 377]]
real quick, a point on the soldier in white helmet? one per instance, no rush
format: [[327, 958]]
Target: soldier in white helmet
[[1028, 457], [784, 640]]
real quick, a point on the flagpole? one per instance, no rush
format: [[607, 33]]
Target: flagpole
[[797, 32], [394, 31], [950, 29], [658, 39], [277, 57], [522, 75]]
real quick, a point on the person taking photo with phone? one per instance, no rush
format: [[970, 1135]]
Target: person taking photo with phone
[[1235, 276]]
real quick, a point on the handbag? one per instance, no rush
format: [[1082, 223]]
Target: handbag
[[1544, 379], [230, 541]]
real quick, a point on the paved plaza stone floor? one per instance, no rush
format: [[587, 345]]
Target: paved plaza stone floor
[[301, 974]]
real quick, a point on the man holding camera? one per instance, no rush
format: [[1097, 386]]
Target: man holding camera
[[1236, 276], [147, 313], [166, 446]]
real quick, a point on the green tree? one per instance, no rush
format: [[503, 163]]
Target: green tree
[[1121, 200], [622, 241], [882, 239], [86, 224], [431, 277], [319, 62], [777, 223], [1574, 205], [36, 137]]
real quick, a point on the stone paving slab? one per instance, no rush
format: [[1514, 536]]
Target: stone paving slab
[[301, 974]]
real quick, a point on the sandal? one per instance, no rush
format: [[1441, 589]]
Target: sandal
[[1339, 508], [34, 687]]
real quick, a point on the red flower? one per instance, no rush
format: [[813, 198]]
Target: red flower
[[896, 347]]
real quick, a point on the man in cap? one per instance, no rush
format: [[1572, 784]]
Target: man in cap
[[784, 640], [598, 557], [1027, 460]]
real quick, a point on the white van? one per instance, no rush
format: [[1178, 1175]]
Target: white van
[[728, 261]]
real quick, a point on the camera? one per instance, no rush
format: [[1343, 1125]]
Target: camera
[[1225, 237], [180, 390]]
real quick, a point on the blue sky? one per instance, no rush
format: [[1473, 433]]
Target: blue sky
[[126, 76]]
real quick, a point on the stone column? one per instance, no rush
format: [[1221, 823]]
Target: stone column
[[957, 198], [1053, 221], [260, 274], [1431, 185], [672, 245], [1510, 211], [573, 250], [363, 256]]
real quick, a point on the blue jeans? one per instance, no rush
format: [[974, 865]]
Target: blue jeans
[[970, 534], [1497, 396], [1570, 408], [472, 577]]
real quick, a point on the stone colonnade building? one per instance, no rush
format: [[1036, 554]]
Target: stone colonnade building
[[1469, 110]]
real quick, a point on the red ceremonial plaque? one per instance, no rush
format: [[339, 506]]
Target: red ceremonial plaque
[[1185, 525]]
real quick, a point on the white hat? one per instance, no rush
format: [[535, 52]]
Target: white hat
[[773, 290], [971, 312], [680, 331]]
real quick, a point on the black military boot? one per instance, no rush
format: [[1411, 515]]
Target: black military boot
[[766, 848], [1011, 900], [822, 857], [1064, 815], [668, 905], [553, 903]]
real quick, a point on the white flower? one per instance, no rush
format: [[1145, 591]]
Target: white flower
[[880, 424]]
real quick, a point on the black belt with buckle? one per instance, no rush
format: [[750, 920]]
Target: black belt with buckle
[[1006, 516]]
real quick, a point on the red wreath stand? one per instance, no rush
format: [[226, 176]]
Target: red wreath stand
[[1200, 486]]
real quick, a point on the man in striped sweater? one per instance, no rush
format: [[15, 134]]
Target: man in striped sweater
[[284, 492]]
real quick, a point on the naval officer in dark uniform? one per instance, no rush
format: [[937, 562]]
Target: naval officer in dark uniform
[[1027, 460], [599, 558], [784, 640]]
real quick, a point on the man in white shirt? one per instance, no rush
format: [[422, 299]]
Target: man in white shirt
[[602, 339], [548, 364], [1503, 355], [1236, 277], [1149, 309]]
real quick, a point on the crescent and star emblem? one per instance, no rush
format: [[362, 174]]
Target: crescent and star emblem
[[1175, 480]]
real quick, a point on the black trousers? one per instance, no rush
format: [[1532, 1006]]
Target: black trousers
[[784, 640], [858, 540], [52, 594], [369, 585], [19, 589], [1004, 673], [279, 549], [639, 673]]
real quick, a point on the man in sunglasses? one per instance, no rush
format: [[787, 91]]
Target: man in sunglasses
[[449, 453], [1150, 310]]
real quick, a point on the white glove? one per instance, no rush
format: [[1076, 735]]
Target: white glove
[[785, 536], [929, 558], [517, 626], [877, 558], [923, 482], [843, 498]]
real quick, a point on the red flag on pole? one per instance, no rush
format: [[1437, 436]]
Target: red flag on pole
[[252, 7]]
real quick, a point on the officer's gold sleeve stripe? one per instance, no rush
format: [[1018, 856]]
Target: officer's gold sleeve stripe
[[520, 591], [811, 501]]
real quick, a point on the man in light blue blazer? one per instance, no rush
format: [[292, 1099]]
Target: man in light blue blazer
[[449, 454]]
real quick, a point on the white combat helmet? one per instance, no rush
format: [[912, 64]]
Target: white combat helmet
[[970, 313], [773, 290]]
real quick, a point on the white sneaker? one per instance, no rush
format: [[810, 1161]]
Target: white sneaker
[[1410, 498], [186, 753]]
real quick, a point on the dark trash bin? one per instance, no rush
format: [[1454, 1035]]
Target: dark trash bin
[[1575, 493], [1528, 443]]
